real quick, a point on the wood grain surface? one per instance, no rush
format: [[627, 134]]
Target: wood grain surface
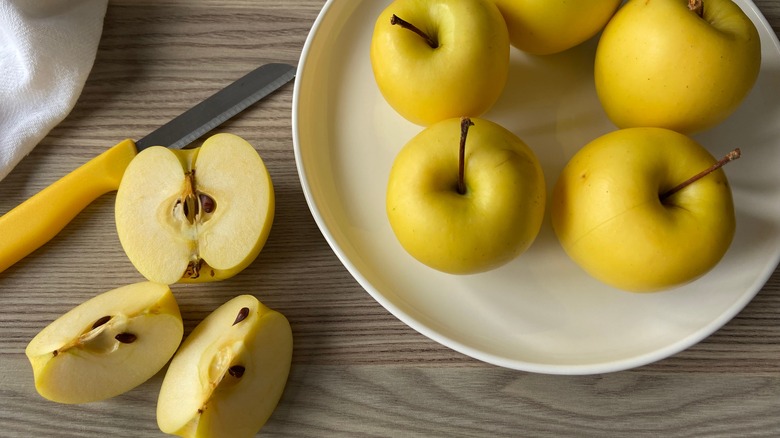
[[357, 370]]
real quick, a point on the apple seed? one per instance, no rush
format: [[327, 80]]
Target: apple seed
[[207, 203], [242, 314], [465, 123], [126, 338], [236, 370], [406, 25], [731, 156], [101, 321]]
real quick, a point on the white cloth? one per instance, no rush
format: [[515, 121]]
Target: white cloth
[[47, 48]]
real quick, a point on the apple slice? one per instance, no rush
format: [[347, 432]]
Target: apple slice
[[107, 345], [229, 373], [195, 215]]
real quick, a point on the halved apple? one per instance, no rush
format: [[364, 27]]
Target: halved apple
[[229, 373], [107, 345], [197, 214]]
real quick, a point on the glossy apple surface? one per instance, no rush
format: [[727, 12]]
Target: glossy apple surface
[[660, 64], [610, 219], [463, 75], [106, 345], [229, 374], [195, 215], [494, 221], [545, 27]]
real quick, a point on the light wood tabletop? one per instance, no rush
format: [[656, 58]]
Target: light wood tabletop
[[357, 370]]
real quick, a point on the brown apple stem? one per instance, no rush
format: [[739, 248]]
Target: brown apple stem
[[696, 6], [465, 123], [731, 156], [394, 20]]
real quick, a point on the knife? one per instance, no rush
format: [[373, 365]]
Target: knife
[[37, 220]]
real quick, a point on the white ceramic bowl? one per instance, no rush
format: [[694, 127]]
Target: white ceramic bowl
[[540, 313]]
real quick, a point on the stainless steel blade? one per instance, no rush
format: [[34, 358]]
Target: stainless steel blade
[[224, 104]]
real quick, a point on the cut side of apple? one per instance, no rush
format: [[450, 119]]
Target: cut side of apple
[[195, 215], [229, 373], [107, 345]]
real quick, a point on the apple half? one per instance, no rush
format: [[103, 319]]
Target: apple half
[[229, 373], [195, 215], [107, 345]]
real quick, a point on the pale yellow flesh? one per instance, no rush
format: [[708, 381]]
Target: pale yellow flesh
[[544, 27], [608, 217], [199, 398], [102, 367], [495, 221], [157, 237]]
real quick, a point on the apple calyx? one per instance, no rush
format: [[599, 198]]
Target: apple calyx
[[465, 123], [731, 156], [395, 20], [696, 6]]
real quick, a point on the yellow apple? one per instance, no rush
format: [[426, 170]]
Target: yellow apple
[[658, 63], [436, 59], [465, 199], [613, 214], [195, 215], [229, 374], [107, 345], [544, 27]]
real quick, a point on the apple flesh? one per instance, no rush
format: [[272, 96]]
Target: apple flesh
[[457, 65], [481, 224], [229, 374], [613, 216], [658, 63], [107, 345], [195, 215], [545, 27]]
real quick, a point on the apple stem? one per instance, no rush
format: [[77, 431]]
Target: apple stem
[[696, 6], [465, 123], [406, 25], [731, 156]]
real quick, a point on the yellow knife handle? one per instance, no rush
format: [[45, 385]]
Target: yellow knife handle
[[38, 219]]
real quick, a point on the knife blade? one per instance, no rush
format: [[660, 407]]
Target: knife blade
[[37, 220]]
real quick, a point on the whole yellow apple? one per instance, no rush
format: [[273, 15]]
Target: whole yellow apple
[[658, 63], [544, 27], [437, 59], [465, 196], [615, 215]]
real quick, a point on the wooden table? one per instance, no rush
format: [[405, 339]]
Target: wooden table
[[357, 370]]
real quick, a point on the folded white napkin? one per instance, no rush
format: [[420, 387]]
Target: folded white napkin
[[47, 48]]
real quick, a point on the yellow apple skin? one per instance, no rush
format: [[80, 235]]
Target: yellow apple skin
[[464, 76], [157, 237], [90, 364], [200, 397], [659, 64], [497, 218], [607, 213], [545, 27]]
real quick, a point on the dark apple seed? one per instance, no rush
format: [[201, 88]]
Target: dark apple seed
[[207, 203], [126, 338], [236, 371], [101, 321], [242, 314]]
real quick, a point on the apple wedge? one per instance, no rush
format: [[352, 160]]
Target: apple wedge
[[229, 373], [107, 345], [195, 215]]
